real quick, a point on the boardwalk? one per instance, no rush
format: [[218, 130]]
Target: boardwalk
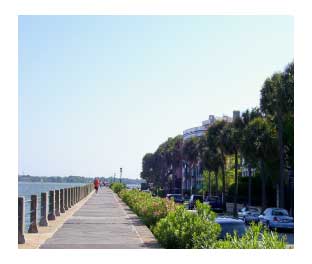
[[104, 221]]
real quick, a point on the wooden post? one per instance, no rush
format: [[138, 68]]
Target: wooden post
[[51, 215], [21, 220], [57, 203], [33, 215], [44, 210], [62, 209]]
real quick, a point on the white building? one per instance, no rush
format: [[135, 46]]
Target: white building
[[192, 177], [194, 132], [200, 130]]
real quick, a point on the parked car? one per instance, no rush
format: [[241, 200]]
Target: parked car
[[178, 198], [215, 203], [193, 199], [277, 218], [249, 214], [230, 225]]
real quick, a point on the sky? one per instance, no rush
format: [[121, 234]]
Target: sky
[[97, 93]]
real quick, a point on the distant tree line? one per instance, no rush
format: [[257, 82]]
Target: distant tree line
[[262, 138], [73, 179], [68, 179]]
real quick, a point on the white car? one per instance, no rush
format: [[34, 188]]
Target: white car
[[277, 218], [249, 214]]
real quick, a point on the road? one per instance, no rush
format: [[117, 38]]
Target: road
[[289, 237]]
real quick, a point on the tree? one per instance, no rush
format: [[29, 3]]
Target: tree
[[232, 144], [147, 168], [260, 144], [247, 117], [216, 140], [277, 103], [211, 160], [191, 154]]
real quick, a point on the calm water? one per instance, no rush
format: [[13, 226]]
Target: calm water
[[26, 189], [134, 186]]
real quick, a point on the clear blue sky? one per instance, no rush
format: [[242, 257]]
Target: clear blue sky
[[98, 92]]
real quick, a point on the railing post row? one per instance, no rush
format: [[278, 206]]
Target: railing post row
[[52, 204]]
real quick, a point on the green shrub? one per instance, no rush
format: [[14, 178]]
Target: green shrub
[[183, 229], [149, 209], [117, 187], [256, 237], [175, 227]]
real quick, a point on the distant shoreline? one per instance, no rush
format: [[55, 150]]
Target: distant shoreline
[[72, 179]]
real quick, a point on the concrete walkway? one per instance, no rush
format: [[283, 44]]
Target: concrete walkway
[[104, 221]]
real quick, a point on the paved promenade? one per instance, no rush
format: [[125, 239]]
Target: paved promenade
[[104, 221]]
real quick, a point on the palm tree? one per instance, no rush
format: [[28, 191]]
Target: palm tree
[[190, 152], [216, 139], [260, 144], [247, 117], [276, 102], [232, 143]]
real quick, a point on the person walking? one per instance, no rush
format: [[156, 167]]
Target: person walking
[[96, 184]]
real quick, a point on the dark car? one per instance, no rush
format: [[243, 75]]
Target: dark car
[[230, 225], [215, 203], [178, 198], [193, 199]]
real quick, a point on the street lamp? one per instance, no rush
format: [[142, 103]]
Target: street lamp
[[120, 174]]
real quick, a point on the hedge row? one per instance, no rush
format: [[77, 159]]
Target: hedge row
[[150, 209], [175, 227], [117, 187]]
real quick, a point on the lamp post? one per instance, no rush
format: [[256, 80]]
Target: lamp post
[[120, 174]]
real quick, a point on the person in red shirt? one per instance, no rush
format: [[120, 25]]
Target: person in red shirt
[[96, 184]]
